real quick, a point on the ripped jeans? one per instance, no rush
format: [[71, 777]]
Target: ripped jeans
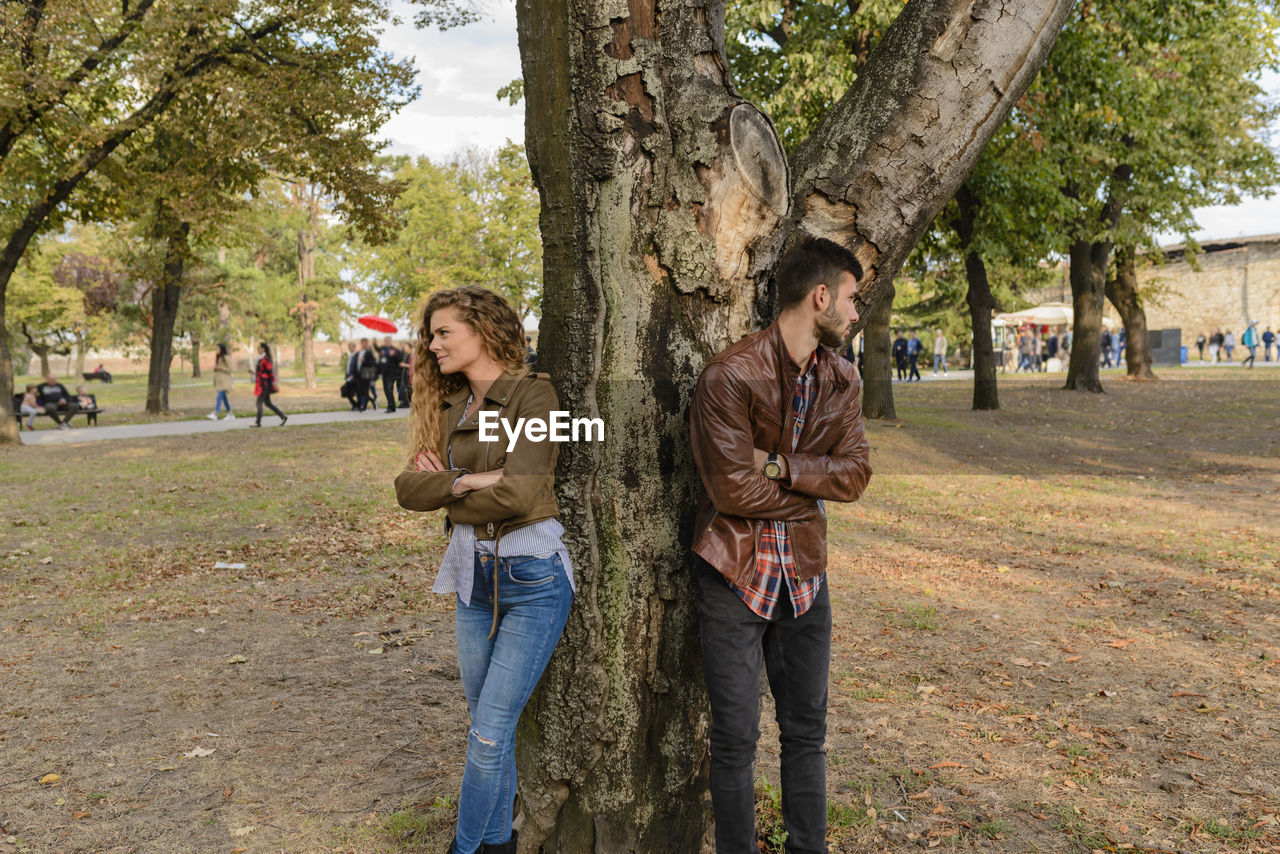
[[498, 675]]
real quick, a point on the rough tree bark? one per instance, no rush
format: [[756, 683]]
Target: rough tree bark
[[164, 309], [666, 203], [195, 357], [1088, 281], [1122, 291], [986, 394], [877, 361]]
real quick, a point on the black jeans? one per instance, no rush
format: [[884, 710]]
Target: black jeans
[[797, 659], [389, 390], [265, 399]]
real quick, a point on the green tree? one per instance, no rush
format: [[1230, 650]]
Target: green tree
[[81, 81], [1149, 109]]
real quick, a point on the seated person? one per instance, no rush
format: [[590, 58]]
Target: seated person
[[30, 406], [101, 373], [87, 403], [56, 400]]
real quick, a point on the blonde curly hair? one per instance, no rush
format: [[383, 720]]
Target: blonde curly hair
[[497, 324]]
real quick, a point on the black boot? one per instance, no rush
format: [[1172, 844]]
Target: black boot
[[508, 847]]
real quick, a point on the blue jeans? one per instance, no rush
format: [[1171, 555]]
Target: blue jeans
[[498, 675], [222, 401]]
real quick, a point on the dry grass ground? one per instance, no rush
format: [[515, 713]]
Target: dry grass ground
[[1056, 630]]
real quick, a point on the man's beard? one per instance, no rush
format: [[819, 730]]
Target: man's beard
[[831, 327]]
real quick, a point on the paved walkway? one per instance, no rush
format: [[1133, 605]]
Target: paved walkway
[[77, 435]]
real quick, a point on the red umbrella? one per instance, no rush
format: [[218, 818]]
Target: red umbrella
[[377, 324]]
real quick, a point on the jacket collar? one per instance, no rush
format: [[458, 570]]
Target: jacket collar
[[788, 370]]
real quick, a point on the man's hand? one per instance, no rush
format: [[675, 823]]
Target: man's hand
[[762, 457]]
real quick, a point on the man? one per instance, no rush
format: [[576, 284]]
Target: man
[[914, 348], [760, 537], [390, 358], [349, 384], [899, 353], [1200, 342], [1215, 345], [56, 400], [1268, 338], [1106, 349], [366, 375], [1249, 340], [939, 351]]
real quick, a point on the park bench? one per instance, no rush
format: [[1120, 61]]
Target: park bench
[[90, 414], [90, 377]]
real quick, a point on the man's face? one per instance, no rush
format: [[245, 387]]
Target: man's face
[[838, 317], [364, 343], [50, 379], [386, 342], [351, 346]]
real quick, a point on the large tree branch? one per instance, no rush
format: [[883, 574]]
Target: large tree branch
[[30, 113], [964, 64]]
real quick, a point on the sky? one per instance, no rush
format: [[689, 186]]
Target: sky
[[461, 70]]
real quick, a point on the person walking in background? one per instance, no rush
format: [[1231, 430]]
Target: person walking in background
[[366, 362], [1024, 352], [349, 385], [506, 562], [1249, 340], [222, 383], [390, 359], [530, 354], [1200, 342], [406, 376], [1106, 348], [1228, 344], [1051, 346], [914, 348], [265, 383], [1121, 342], [939, 351], [1215, 346], [1268, 338], [899, 352]]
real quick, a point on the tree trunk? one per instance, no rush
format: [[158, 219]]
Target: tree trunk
[[43, 353], [81, 346], [877, 364], [164, 310], [986, 394], [1088, 275], [10, 427], [306, 307], [665, 206], [1122, 291], [195, 357]]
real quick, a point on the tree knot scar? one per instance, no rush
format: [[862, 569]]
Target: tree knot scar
[[947, 45], [630, 90]]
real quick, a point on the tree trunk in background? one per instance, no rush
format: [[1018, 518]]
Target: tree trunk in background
[[80, 353], [165, 299], [877, 363], [986, 393], [306, 307], [195, 357], [1088, 275], [1122, 291], [666, 203]]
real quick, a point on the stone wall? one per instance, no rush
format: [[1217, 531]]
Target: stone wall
[[1238, 281]]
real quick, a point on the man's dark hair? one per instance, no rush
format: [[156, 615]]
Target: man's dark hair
[[811, 262]]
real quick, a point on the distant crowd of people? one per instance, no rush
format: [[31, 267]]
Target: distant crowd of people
[[1222, 345]]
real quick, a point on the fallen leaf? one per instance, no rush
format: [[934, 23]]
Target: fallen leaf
[[1073, 658], [244, 831], [237, 659], [49, 779], [1021, 662], [1195, 755], [937, 765], [1122, 643], [1186, 694], [198, 752]]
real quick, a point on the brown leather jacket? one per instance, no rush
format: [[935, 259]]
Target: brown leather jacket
[[526, 492], [743, 401]]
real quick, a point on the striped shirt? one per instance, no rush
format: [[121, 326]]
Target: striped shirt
[[774, 560]]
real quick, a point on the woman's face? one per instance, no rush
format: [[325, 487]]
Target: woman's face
[[455, 345], [262, 349]]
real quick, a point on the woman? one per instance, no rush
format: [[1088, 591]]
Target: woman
[[264, 385], [505, 560], [222, 383]]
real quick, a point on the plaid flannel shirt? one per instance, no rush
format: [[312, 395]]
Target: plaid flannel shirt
[[774, 561]]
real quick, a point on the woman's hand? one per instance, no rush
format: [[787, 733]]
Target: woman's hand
[[476, 480], [427, 461]]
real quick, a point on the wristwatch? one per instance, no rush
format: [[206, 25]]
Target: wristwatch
[[772, 469]]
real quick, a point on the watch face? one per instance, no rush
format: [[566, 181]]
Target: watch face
[[772, 470]]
